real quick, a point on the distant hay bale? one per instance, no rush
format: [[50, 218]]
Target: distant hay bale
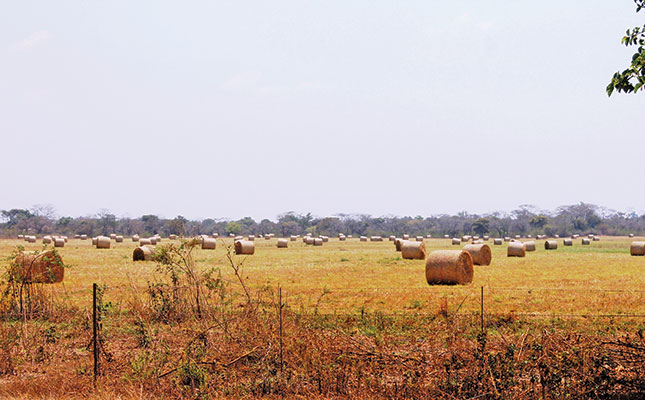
[[172, 237], [478, 241], [475, 237], [143, 253], [631, 235], [251, 238], [103, 242], [112, 236], [43, 267], [293, 238], [83, 237], [446, 236], [231, 235], [158, 238], [456, 241], [32, 239], [406, 237], [398, 243], [486, 238], [529, 246], [529, 236], [47, 240], [59, 242], [282, 243], [413, 250], [65, 238], [135, 238], [516, 249], [267, 237], [481, 253], [145, 242], [419, 238], [497, 241], [209, 244], [518, 237], [349, 236], [215, 235], [551, 245], [244, 247], [325, 239], [586, 241], [568, 242], [376, 239], [342, 238], [596, 238], [637, 249], [153, 240], [507, 238], [77, 236], [556, 236], [392, 238], [590, 236], [308, 240], [119, 239], [465, 239], [21, 236], [95, 240], [236, 238], [363, 238], [318, 242], [449, 267]]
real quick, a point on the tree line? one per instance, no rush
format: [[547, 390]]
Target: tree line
[[565, 220]]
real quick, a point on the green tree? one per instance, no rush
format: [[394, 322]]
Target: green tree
[[538, 222], [632, 79], [233, 227], [480, 226]]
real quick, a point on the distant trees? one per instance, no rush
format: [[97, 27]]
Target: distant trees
[[480, 226]]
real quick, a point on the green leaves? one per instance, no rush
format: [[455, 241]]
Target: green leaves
[[631, 80]]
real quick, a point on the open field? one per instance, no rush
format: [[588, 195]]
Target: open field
[[359, 322]]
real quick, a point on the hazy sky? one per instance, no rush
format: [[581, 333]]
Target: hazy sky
[[253, 108]]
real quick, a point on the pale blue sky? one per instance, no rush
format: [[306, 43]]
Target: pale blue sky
[[229, 109]]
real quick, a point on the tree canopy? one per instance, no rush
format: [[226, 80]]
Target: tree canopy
[[632, 79]]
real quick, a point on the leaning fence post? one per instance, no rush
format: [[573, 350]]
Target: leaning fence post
[[482, 308], [94, 334]]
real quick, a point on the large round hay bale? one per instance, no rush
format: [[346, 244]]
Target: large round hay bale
[[419, 239], [282, 243], [497, 241], [59, 242], [112, 236], [481, 253], [551, 245], [596, 238], [449, 267], [83, 237], [413, 250], [308, 240], [103, 242], [95, 240], [145, 242], [406, 237], [43, 267], [507, 238], [244, 247], [631, 235], [567, 242], [119, 239], [529, 246], [637, 249], [251, 238], [586, 241], [363, 238], [293, 238], [143, 253], [135, 238], [47, 240], [376, 239], [456, 241], [209, 244], [318, 242], [325, 239], [342, 238], [516, 249], [398, 243]]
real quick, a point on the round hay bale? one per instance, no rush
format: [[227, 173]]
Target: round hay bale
[[637, 249], [413, 250], [406, 237], [349, 236], [236, 238], [398, 243], [486, 238], [119, 239], [497, 241], [145, 242], [244, 247], [530, 245], [585, 241], [516, 249], [478, 241], [556, 236], [596, 238], [158, 238], [551, 245], [231, 235], [325, 239], [43, 267], [267, 237], [32, 239], [568, 242], [135, 238], [376, 239], [143, 253], [103, 242], [21, 236], [153, 240], [449, 267], [172, 237], [419, 238], [251, 238], [507, 238], [529, 236], [631, 235], [428, 236], [47, 240], [465, 239], [456, 241], [308, 240], [112, 236], [77, 236], [318, 242], [342, 238], [95, 240], [363, 238], [65, 238], [282, 243], [480, 253], [83, 237], [392, 238], [59, 242], [293, 238], [209, 244], [518, 237], [446, 236]]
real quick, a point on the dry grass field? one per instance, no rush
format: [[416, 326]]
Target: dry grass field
[[344, 297]]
